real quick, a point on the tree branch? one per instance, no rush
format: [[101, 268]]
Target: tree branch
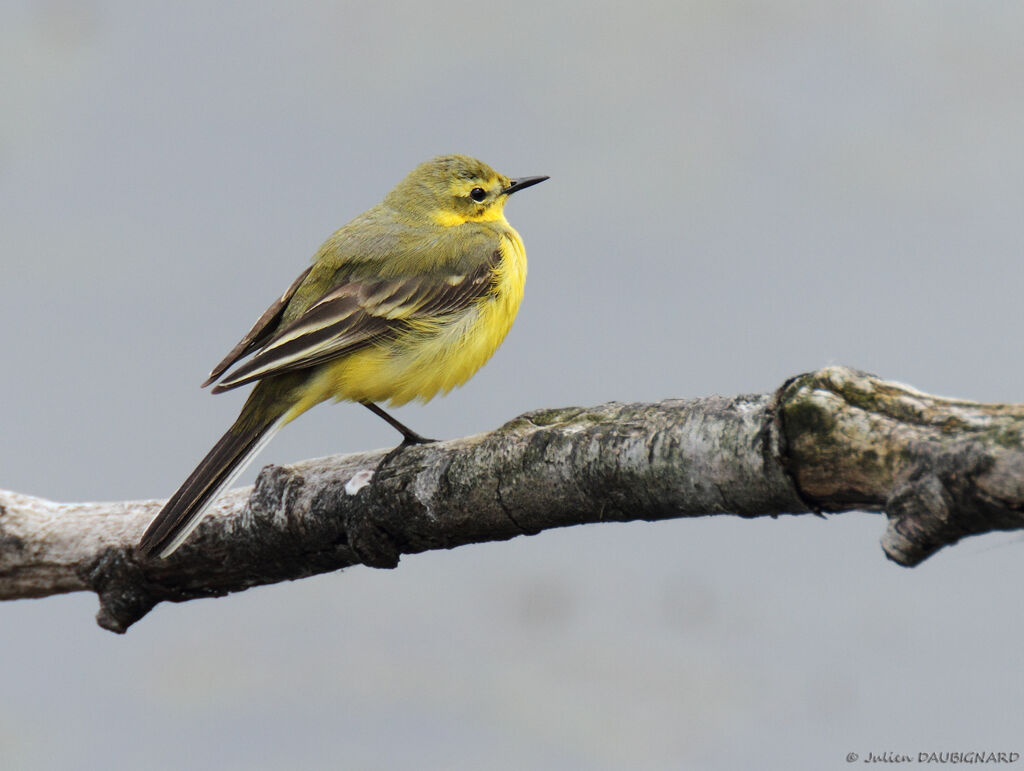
[[833, 440]]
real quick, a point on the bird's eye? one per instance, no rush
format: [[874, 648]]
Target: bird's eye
[[478, 194]]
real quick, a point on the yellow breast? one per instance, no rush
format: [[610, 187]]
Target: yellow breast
[[435, 357]]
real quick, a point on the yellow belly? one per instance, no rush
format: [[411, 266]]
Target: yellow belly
[[432, 358]]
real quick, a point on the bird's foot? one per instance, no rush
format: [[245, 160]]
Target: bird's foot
[[409, 438]]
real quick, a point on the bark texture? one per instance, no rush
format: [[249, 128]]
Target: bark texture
[[833, 440]]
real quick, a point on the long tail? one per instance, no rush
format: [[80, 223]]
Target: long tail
[[221, 466]]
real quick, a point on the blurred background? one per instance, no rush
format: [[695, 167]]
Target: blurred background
[[739, 193]]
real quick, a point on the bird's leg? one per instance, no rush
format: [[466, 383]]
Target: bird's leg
[[409, 437]]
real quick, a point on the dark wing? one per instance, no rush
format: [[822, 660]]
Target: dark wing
[[261, 330], [358, 312]]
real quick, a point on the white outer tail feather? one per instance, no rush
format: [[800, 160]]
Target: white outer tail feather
[[243, 464]]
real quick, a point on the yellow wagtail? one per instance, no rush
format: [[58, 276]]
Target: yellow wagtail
[[408, 299]]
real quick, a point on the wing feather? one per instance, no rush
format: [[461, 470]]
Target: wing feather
[[260, 332], [359, 312]]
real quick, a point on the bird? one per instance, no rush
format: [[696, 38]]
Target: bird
[[407, 300]]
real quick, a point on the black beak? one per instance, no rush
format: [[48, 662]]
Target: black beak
[[520, 183]]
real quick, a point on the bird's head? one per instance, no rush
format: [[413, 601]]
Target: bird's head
[[454, 189]]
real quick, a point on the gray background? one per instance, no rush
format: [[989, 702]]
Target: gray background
[[738, 193]]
